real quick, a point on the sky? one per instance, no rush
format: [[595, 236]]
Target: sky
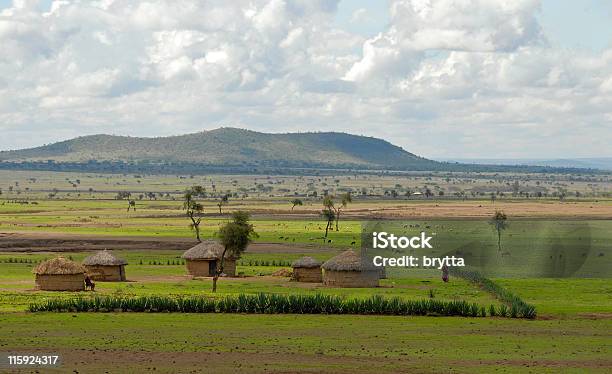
[[441, 78]]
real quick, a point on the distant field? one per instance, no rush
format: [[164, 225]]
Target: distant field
[[442, 185]]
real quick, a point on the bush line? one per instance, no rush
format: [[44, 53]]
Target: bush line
[[514, 306], [270, 304]]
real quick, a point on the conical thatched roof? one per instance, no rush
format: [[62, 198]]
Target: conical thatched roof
[[306, 262], [207, 250], [104, 258], [348, 261], [59, 266]]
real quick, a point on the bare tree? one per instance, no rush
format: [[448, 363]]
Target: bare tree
[[328, 213], [345, 199]]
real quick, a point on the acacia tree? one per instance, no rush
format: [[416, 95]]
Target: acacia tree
[[296, 202], [131, 204], [328, 213], [224, 200], [345, 200], [193, 209], [235, 236], [498, 221]]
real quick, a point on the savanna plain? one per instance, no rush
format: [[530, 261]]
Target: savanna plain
[[141, 218]]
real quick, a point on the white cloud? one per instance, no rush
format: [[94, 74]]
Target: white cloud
[[446, 78]]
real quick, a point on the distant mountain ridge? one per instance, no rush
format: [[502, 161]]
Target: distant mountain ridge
[[601, 163], [230, 147]]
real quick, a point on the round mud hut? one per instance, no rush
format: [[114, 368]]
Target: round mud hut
[[204, 259], [60, 274], [104, 266], [307, 269], [348, 269]]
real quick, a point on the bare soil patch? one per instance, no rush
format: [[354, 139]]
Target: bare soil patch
[[595, 315], [119, 361], [68, 242]]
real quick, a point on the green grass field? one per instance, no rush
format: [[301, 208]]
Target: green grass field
[[284, 343], [572, 237], [577, 309]]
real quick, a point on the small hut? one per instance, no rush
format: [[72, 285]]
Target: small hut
[[60, 274], [348, 269], [307, 269], [204, 259], [104, 266]]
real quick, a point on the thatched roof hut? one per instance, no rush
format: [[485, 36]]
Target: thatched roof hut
[[203, 259], [349, 269], [104, 266], [307, 269], [306, 262], [60, 274]]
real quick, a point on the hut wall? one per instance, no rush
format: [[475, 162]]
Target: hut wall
[[102, 273], [60, 282], [312, 275], [350, 278], [201, 268], [198, 268]]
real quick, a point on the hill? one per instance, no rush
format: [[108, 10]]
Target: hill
[[232, 150], [230, 147]]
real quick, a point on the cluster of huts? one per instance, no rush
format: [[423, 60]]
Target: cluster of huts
[[348, 269], [62, 274]]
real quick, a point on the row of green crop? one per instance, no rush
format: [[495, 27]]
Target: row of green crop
[[161, 262], [264, 263], [16, 260], [517, 306], [271, 304]]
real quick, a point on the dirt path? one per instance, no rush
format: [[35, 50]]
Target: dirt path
[[69, 242]]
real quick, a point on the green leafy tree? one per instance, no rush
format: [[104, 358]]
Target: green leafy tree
[[499, 223], [296, 202], [235, 237]]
